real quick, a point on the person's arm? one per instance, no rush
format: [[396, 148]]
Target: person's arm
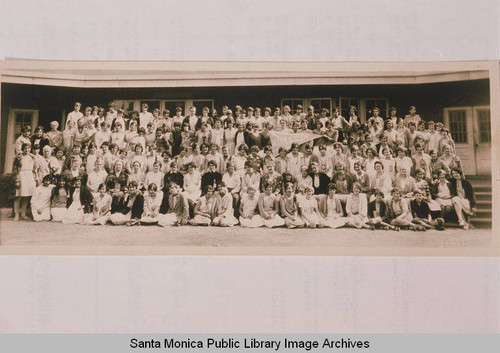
[[262, 211], [242, 215], [404, 209], [284, 212], [323, 207], [198, 212]]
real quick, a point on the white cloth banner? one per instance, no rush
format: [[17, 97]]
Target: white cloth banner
[[285, 140]]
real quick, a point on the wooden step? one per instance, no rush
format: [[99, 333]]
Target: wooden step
[[482, 213], [482, 223], [483, 196], [481, 188], [484, 204]]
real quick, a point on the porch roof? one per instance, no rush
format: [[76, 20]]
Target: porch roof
[[217, 74]]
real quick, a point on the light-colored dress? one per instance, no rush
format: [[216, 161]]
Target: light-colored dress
[[41, 201], [289, 204], [96, 178], [192, 186], [334, 216], [308, 208], [26, 176], [75, 210], [230, 137], [102, 207], [268, 203], [357, 210], [151, 213], [58, 208], [249, 217], [225, 212], [154, 178]]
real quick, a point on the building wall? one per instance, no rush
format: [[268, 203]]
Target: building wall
[[430, 99]]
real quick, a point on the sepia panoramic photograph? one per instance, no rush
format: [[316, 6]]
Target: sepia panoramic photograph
[[257, 158]]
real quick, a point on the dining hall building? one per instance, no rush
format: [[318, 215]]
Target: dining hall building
[[457, 94]]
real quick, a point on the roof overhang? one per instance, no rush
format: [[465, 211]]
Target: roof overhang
[[217, 74]]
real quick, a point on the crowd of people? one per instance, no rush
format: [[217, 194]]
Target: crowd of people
[[130, 168]]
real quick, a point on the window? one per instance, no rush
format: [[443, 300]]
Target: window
[[483, 116], [380, 103], [345, 106], [152, 104], [17, 119], [172, 105], [128, 106], [22, 118], [320, 103], [200, 104], [458, 125], [292, 103]]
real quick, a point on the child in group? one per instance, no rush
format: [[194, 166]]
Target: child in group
[[40, 201]]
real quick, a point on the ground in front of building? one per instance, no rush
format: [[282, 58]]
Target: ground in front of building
[[29, 233]]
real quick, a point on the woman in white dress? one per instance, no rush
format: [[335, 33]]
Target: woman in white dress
[[230, 137], [192, 184], [25, 181], [136, 175], [68, 135], [225, 211], [130, 135], [406, 184], [331, 209], [303, 180], [289, 209], [40, 201], [380, 180], [79, 202], [59, 199], [399, 211], [102, 207], [155, 177], [217, 134], [295, 161], [205, 209], [308, 208], [249, 217], [269, 208], [357, 208], [152, 203], [97, 177]]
